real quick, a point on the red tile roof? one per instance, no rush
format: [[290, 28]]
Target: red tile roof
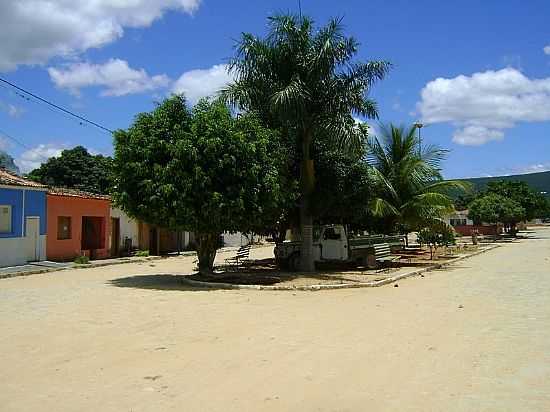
[[62, 191], [10, 179]]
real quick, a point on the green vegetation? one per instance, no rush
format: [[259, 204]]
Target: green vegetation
[[306, 84], [534, 204], [142, 253], [507, 202], [435, 236], [539, 182], [413, 193], [77, 169], [200, 170], [82, 260]]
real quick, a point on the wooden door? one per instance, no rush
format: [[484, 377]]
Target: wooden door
[[115, 236]]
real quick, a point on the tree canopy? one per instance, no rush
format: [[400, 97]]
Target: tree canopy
[[494, 208], [533, 203], [76, 168], [413, 192], [200, 170], [306, 83]]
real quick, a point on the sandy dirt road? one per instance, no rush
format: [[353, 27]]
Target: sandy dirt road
[[472, 338]]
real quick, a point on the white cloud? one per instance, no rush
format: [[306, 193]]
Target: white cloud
[[202, 82], [115, 76], [33, 158], [534, 168], [12, 110], [546, 49], [482, 106], [37, 30], [476, 135]]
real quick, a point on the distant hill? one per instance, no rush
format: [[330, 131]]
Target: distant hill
[[6, 162], [538, 181]]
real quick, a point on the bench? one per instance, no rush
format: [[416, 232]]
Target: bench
[[242, 256], [383, 255]]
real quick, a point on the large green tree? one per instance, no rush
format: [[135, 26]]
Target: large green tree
[[413, 192], [532, 202], [76, 168], [200, 170], [345, 185], [304, 82], [494, 208]]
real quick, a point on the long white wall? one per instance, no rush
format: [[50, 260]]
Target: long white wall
[[14, 250]]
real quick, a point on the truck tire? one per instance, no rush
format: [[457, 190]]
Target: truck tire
[[294, 262], [281, 263]]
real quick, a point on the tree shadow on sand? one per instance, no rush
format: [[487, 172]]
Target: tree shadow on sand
[[153, 282], [259, 272]]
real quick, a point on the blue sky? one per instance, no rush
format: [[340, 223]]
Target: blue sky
[[476, 72]]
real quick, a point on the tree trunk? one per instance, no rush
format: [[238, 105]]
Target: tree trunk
[[207, 244], [307, 183]]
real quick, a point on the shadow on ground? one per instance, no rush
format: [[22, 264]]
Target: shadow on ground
[[259, 272], [154, 282]]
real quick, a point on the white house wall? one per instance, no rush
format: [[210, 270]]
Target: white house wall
[[128, 227]]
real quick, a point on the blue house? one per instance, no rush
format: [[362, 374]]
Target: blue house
[[22, 220]]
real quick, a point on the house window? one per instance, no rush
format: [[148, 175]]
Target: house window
[[5, 219], [458, 222], [63, 227]]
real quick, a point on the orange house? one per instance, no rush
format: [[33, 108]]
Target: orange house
[[78, 224]]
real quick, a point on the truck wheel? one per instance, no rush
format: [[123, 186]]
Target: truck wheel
[[294, 262], [281, 263]]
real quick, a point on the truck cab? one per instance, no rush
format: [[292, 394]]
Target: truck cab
[[330, 243]]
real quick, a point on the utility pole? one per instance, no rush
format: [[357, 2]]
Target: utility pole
[[419, 126], [300, 8]]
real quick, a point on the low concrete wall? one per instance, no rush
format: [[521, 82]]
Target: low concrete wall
[[14, 250]]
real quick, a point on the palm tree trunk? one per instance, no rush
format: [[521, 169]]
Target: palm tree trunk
[[307, 183]]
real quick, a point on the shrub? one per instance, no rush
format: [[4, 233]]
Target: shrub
[[436, 236], [82, 260], [142, 253]]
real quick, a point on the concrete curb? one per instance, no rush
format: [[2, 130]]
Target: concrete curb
[[230, 286], [77, 266]]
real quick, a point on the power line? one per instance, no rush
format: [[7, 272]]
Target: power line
[[56, 106], [19, 142]]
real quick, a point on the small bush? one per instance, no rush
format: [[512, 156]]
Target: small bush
[[142, 253], [436, 236], [82, 260]]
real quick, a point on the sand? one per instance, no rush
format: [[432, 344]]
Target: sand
[[124, 338]]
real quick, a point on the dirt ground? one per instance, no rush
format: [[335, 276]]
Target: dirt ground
[[474, 337]]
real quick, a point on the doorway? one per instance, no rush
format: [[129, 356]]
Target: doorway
[[115, 236], [93, 234], [154, 241], [32, 236]]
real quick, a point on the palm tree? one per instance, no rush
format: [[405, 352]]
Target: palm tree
[[305, 83], [414, 194]]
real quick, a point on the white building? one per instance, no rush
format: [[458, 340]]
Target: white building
[[124, 232]]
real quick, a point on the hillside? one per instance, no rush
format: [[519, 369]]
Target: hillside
[[6, 162], [538, 181]]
